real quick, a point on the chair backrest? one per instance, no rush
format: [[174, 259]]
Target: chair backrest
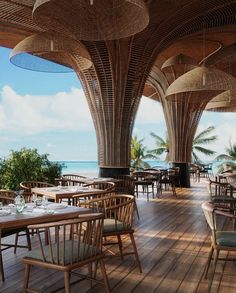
[[231, 178], [69, 182], [76, 240], [7, 196], [208, 210], [27, 185], [72, 176], [141, 175], [125, 184], [118, 207], [107, 186], [83, 200]]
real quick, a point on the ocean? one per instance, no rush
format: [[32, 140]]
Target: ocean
[[88, 168]]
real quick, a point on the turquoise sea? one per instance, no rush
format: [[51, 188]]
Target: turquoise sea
[[91, 167]]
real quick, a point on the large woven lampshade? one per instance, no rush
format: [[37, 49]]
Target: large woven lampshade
[[92, 20], [224, 102], [176, 66], [201, 82], [50, 52], [179, 60]]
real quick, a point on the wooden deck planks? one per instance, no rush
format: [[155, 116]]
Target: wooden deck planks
[[173, 243]]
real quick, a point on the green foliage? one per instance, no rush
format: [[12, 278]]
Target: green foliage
[[27, 165], [229, 157], [139, 154], [162, 145], [201, 139]]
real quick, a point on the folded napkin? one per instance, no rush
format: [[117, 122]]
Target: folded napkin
[[4, 212], [56, 206]]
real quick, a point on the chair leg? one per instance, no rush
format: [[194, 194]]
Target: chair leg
[[120, 246], [16, 241], [103, 269], [26, 277], [208, 261], [28, 239], [136, 209], [67, 282], [214, 268], [1, 267], [135, 251]]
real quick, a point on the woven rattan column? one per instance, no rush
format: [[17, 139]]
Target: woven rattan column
[[113, 89]]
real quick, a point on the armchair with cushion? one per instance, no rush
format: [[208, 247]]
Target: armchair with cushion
[[118, 211], [69, 250], [221, 240]]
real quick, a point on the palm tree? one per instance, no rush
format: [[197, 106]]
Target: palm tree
[[162, 145], [139, 154], [201, 139], [229, 156]]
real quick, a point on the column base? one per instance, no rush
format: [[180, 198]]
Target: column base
[[110, 172], [184, 173]]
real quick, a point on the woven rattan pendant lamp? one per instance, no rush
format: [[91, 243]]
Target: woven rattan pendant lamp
[[50, 52], [177, 65], [92, 20], [201, 83], [224, 102]]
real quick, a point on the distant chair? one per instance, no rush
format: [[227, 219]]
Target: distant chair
[[126, 185], [86, 199], [168, 179], [69, 250], [73, 176], [8, 197], [146, 181], [28, 185], [107, 186], [69, 182]]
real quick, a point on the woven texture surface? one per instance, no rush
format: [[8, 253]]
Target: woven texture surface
[[92, 20]]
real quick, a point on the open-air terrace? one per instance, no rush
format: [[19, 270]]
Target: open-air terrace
[[173, 242]]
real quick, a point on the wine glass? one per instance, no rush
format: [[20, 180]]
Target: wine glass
[[34, 199]]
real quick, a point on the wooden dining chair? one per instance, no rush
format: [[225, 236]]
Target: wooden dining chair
[[8, 197], [28, 185], [84, 199], [68, 250], [220, 240], [118, 211], [72, 176], [107, 186]]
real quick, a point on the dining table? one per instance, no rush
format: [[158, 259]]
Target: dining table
[[10, 218], [59, 193]]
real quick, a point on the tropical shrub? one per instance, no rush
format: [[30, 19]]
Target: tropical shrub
[[27, 165]]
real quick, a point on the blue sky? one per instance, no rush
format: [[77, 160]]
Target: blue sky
[[49, 112]]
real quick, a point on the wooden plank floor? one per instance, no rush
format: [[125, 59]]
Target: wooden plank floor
[[173, 243]]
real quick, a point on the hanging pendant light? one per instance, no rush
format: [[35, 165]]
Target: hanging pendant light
[[92, 20], [50, 52], [176, 66], [224, 102], [201, 82]]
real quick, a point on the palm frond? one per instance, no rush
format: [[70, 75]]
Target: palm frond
[[204, 132], [204, 151]]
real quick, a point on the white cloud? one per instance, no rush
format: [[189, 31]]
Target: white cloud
[[27, 114], [149, 111]]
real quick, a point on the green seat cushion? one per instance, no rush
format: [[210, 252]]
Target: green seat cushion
[[226, 238], [227, 199], [111, 225], [78, 255]]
